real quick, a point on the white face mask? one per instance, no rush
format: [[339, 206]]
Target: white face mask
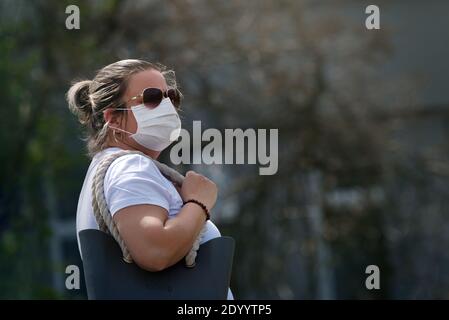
[[156, 128]]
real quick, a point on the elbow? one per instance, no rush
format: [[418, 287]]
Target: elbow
[[153, 262], [154, 254]]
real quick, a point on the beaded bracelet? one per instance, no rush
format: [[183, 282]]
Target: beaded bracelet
[[201, 205]]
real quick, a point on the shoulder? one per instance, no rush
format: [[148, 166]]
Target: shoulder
[[133, 161], [135, 164], [134, 179]]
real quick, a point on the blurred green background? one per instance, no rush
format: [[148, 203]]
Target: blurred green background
[[363, 119]]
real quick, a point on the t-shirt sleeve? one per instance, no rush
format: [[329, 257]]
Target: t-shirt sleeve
[[133, 180]]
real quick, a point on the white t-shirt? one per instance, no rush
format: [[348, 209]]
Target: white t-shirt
[[131, 180]]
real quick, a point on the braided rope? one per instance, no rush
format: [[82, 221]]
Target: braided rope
[[104, 218]]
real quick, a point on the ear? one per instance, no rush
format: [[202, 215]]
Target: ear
[[111, 117]]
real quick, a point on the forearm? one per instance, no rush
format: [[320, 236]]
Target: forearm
[[183, 230]]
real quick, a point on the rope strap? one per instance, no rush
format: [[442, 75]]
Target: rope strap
[[103, 216]]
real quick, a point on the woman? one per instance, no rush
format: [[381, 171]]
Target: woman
[[132, 105]]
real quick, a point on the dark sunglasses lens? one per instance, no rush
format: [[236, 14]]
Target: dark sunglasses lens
[[175, 97], [152, 97]]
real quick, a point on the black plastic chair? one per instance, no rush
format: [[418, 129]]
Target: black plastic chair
[[108, 276]]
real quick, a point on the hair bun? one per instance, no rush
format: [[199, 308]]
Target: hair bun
[[79, 101]]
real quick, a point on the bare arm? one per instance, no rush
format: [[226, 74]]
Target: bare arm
[[156, 242]]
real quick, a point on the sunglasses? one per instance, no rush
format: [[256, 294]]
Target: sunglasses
[[152, 97]]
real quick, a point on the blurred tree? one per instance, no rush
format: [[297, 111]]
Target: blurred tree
[[36, 56]]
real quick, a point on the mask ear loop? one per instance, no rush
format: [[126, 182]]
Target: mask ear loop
[[114, 134], [114, 131]]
